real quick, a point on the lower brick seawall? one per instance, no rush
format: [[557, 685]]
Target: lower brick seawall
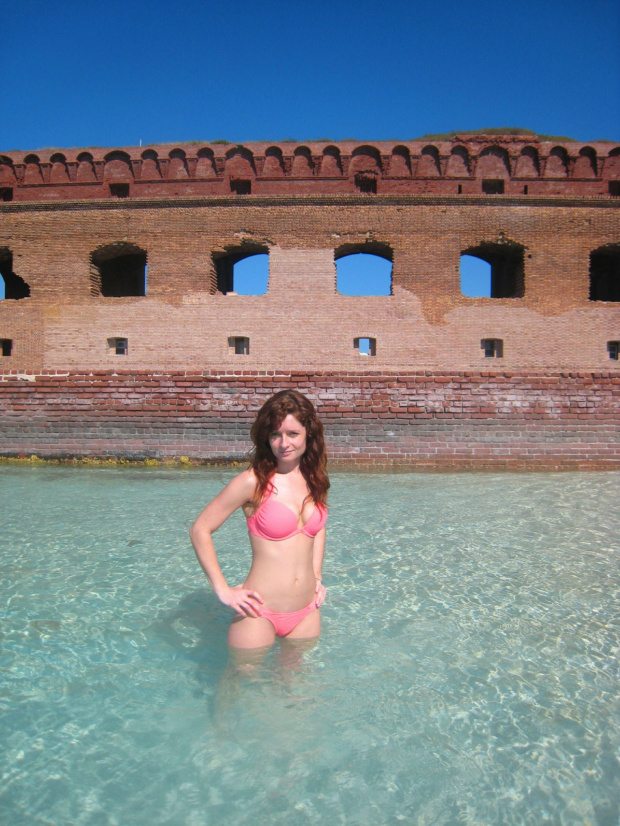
[[424, 420]]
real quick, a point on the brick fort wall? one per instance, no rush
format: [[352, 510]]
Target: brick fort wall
[[122, 332], [488, 419]]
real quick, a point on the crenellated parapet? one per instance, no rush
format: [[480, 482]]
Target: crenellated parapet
[[463, 165]]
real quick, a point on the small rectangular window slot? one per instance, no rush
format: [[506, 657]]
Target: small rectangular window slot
[[493, 187], [460, 189], [614, 188], [365, 346], [366, 183], [613, 348], [493, 348], [241, 186], [6, 193], [119, 190], [6, 346], [525, 189], [118, 346], [239, 345]]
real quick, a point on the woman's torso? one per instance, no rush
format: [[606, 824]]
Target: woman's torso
[[282, 541]]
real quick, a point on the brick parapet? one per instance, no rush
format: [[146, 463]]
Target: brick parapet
[[525, 163]]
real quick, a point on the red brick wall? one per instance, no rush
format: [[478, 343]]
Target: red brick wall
[[473, 419], [303, 322], [428, 396], [524, 163]]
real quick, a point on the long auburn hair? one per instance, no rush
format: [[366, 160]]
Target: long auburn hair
[[313, 462]]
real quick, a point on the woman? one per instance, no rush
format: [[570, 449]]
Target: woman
[[283, 495]]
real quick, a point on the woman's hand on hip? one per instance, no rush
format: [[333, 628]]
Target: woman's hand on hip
[[244, 601], [321, 591]]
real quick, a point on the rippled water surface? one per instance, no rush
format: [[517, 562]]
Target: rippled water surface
[[467, 673]]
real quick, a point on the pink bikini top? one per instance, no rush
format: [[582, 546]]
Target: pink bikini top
[[276, 521]]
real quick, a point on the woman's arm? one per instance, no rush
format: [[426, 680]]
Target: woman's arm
[[318, 551], [236, 493]]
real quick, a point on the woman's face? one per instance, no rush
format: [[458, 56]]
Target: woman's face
[[288, 442]]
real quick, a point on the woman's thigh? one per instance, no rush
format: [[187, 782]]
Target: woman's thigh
[[250, 632], [309, 627]]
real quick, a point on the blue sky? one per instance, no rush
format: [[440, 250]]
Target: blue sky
[[114, 74]]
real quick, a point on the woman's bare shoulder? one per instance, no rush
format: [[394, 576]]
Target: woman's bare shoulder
[[243, 485]]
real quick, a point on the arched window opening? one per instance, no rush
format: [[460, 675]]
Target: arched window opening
[[243, 272], [11, 285], [503, 275], [605, 273], [361, 271], [475, 277], [118, 271]]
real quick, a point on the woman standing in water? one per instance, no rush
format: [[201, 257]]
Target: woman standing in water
[[283, 496]]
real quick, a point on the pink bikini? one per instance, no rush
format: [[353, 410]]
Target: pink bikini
[[276, 521], [285, 621]]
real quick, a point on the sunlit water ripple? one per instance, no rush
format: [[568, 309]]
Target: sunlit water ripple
[[467, 672]]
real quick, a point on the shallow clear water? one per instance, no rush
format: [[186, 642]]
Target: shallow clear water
[[467, 673]]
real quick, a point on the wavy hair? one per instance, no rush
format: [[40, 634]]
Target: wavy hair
[[313, 462]]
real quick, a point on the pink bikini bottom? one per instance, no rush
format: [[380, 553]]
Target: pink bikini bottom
[[284, 622]]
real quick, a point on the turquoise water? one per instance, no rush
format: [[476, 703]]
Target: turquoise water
[[467, 673]]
